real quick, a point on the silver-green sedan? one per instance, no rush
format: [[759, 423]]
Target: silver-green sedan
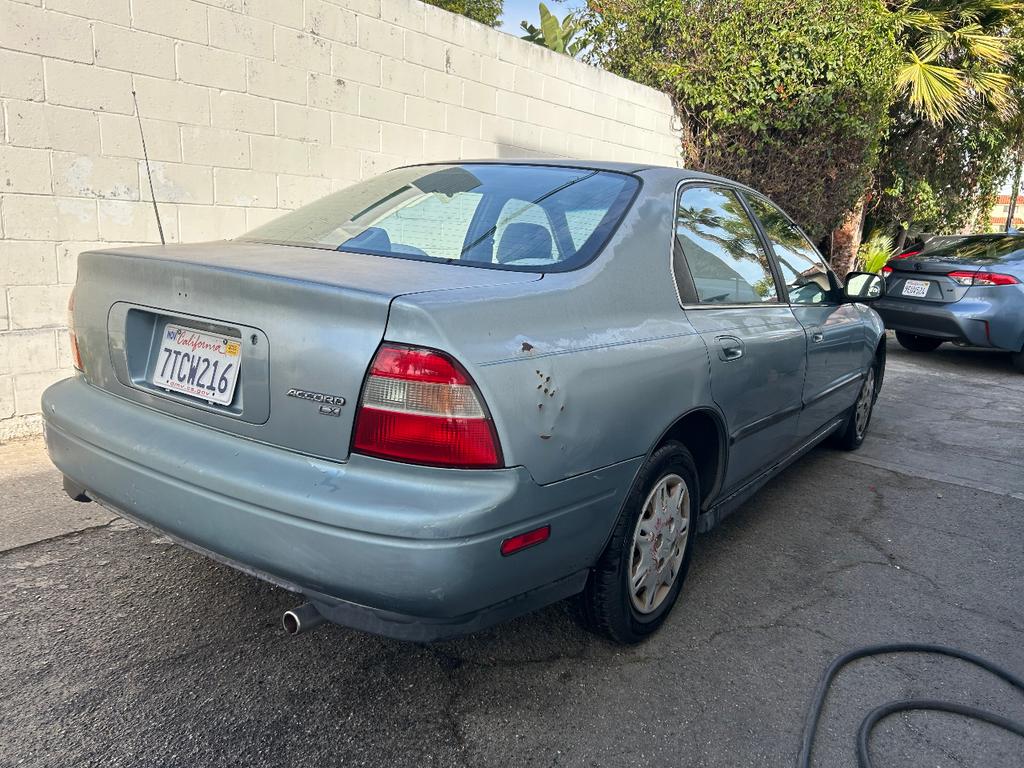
[[458, 392]]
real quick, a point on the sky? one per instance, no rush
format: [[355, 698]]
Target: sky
[[517, 10]]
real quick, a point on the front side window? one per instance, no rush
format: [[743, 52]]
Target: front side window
[[522, 217], [807, 279], [722, 249]]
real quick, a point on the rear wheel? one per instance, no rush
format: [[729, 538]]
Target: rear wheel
[[1018, 360], [637, 580], [916, 343]]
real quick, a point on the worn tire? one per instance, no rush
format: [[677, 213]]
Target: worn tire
[[1018, 360], [853, 433], [916, 343], [606, 601]]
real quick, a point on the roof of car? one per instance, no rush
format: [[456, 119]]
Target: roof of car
[[597, 165]]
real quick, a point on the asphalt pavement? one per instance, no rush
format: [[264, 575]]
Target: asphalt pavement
[[121, 649]]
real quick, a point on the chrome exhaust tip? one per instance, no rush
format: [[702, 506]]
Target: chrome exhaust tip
[[301, 619]]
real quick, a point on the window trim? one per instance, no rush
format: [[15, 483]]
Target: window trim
[[833, 278], [782, 296]]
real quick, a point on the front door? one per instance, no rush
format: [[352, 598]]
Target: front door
[[756, 347], [834, 330]]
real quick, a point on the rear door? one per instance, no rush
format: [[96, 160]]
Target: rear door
[[755, 346], [835, 334]]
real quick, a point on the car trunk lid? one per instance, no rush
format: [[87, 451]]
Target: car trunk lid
[[926, 278], [302, 323]]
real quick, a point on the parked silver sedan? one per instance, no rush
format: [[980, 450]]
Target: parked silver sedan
[[455, 393]]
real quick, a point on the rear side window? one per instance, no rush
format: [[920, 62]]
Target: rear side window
[[726, 261], [807, 279], [521, 217]]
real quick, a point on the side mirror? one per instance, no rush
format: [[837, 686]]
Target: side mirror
[[863, 286]]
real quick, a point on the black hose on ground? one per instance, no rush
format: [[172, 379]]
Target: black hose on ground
[[882, 712]]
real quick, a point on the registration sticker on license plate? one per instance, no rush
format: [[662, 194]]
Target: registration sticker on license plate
[[917, 288], [198, 364]]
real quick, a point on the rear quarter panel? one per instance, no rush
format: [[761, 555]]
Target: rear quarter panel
[[1006, 312], [582, 369]]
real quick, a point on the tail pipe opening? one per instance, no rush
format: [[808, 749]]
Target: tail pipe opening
[[301, 619]]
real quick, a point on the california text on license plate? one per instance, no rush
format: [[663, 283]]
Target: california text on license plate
[[915, 288], [198, 364]]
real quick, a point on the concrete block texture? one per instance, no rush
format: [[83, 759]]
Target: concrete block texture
[[250, 109]]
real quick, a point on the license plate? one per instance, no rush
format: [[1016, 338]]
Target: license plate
[[197, 364], [917, 288]]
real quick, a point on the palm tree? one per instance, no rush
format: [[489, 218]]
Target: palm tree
[[955, 56], [956, 61]]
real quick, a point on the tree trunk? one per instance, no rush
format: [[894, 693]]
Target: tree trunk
[[1013, 196], [901, 237], [846, 239]]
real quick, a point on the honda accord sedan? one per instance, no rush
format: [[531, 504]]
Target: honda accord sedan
[[967, 290], [455, 393]]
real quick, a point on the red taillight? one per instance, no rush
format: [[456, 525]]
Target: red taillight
[[420, 406], [983, 278], [887, 270], [517, 543], [76, 356]]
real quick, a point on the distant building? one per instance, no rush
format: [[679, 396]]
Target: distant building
[[997, 216]]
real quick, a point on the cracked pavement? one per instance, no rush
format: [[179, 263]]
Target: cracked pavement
[[121, 649]]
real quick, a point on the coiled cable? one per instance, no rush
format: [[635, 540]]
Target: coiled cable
[[877, 715]]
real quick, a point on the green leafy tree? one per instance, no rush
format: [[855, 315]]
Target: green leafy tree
[[790, 97], [955, 126], [939, 178], [485, 11], [560, 37]]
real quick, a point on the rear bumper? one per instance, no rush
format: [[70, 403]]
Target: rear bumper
[[972, 320], [406, 551]]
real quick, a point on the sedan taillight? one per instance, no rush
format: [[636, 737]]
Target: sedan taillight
[[983, 278], [420, 406]]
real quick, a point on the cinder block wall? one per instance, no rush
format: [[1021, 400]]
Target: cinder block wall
[[251, 107]]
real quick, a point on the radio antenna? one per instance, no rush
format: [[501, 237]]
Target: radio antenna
[[149, 173]]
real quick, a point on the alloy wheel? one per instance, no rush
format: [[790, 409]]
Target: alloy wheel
[[864, 402], [659, 543]]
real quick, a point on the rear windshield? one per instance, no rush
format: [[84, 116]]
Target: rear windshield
[[993, 249], [520, 217]]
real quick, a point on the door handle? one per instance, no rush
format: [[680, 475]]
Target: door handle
[[729, 348], [817, 335]]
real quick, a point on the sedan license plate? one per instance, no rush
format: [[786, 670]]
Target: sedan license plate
[[197, 364], [917, 288]]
